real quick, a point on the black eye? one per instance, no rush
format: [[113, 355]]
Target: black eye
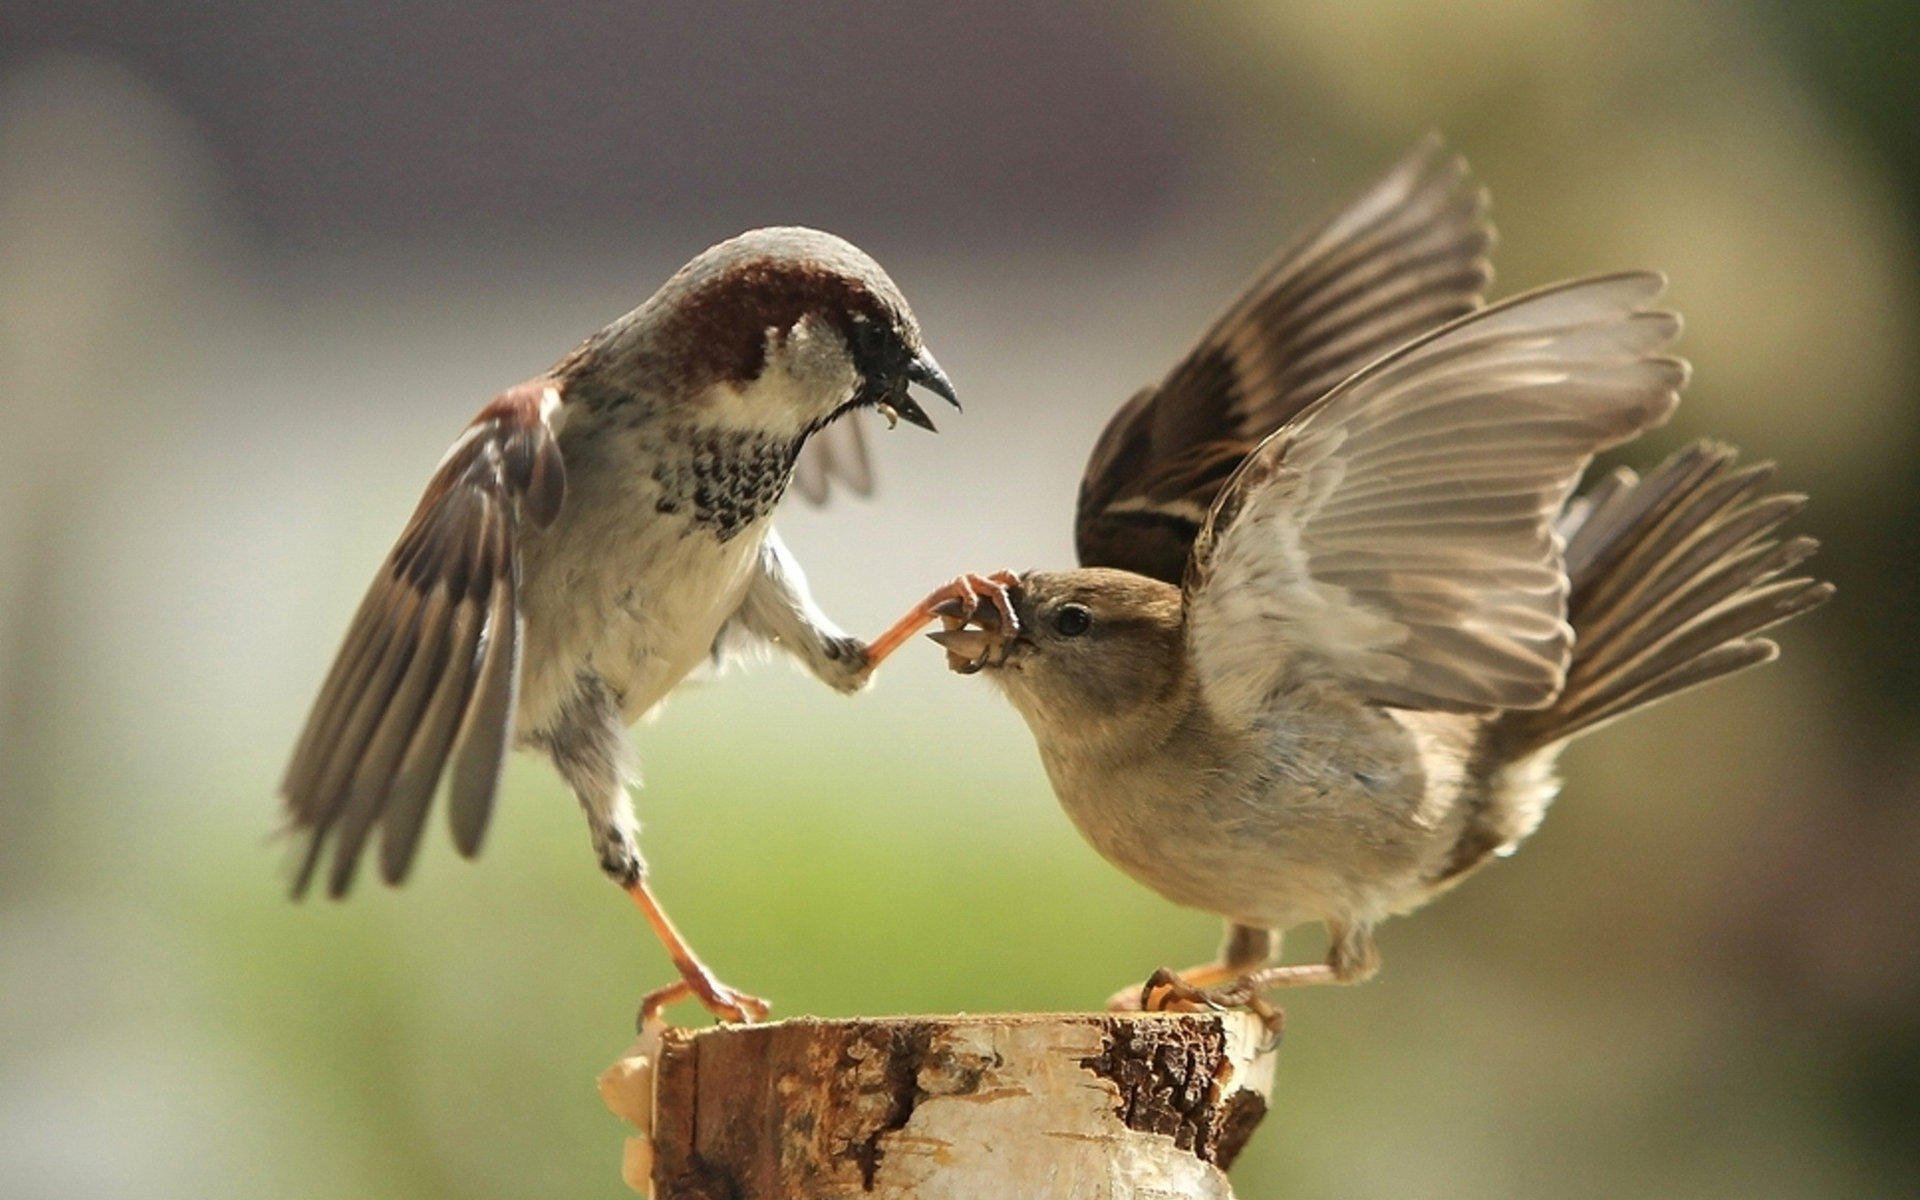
[[867, 341], [1072, 620]]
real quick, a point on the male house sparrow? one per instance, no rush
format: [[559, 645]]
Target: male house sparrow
[[592, 537], [1336, 617]]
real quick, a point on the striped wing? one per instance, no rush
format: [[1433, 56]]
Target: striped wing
[[424, 685], [1674, 578], [1404, 257], [1399, 536]]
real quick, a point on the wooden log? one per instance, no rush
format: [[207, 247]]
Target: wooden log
[[1069, 1106]]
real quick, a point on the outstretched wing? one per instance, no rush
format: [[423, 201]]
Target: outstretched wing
[[1399, 535], [425, 683], [1406, 256], [834, 457], [1674, 578]]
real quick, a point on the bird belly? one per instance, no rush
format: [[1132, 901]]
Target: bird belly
[[1254, 869], [639, 613], [1266, 840]]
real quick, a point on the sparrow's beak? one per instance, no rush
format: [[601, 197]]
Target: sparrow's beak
[[924, 371], [974, 641], [967, 649]]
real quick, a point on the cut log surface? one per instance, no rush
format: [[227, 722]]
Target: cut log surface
[[1068, 1106]]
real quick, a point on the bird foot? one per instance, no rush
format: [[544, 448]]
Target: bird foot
[[1166, 991], [696, 980], [726, 1003], [958, 602]]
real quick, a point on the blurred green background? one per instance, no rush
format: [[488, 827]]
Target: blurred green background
[[258, 264]]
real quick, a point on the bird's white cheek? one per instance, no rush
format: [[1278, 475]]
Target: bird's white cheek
[[807, 375], [771, 404]]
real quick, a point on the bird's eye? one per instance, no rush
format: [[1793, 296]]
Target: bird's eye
[[1072, 620]]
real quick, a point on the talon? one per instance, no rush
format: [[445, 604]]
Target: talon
[[725, 1003], [1003, 583], [695, 981], [1272, 1016], [965, 596], [736, 1007], [958, 601], [1168, 991], [1158, 990], [1165, 991], [657, 999]]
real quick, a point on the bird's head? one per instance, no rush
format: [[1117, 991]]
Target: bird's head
[[1090, 646], [789, 328]]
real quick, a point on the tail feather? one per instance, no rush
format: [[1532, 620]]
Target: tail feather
[[1722, 587], [1674, 577]]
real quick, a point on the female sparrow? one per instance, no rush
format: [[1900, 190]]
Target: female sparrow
[[1336, 616]]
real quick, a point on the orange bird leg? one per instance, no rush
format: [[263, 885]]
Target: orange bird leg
[[961, 598], [1203, 978], [696, 979], [1214, 987]]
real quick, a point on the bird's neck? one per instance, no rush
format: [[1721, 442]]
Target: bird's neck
[[1144, 726]]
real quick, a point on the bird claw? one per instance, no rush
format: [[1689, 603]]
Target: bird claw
[[958, 602], [725, 1003], [959, 605], [1166, 991], [696, 980]]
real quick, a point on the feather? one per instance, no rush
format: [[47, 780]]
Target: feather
[[428, 670], [1674, 576], [834, 455], [1400, 533], [1402, 258]]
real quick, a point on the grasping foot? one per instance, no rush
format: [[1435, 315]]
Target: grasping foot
[[716, 997], [1167, 991], [958, 600], [696, 980]]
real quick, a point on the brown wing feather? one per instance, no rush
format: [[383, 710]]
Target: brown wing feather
[[1400, 537], [430, 665], [834, 456], [1675, 576], [1404, 257]]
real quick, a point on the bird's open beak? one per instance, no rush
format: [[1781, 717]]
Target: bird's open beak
[[967, 649], [926, 372], [973, 642]]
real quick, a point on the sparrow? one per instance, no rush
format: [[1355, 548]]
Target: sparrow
[[1336, 614], [596, 534]]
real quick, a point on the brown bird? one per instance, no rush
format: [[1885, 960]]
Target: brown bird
[[1336, 616], [597, 533]]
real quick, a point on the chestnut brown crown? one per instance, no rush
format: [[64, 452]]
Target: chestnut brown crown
[[714, 320]]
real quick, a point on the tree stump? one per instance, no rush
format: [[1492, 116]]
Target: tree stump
[[1062, 1107]]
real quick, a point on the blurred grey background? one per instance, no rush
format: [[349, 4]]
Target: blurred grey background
[[259, 263]]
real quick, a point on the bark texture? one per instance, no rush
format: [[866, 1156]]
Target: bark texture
[[1070, 1106]]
